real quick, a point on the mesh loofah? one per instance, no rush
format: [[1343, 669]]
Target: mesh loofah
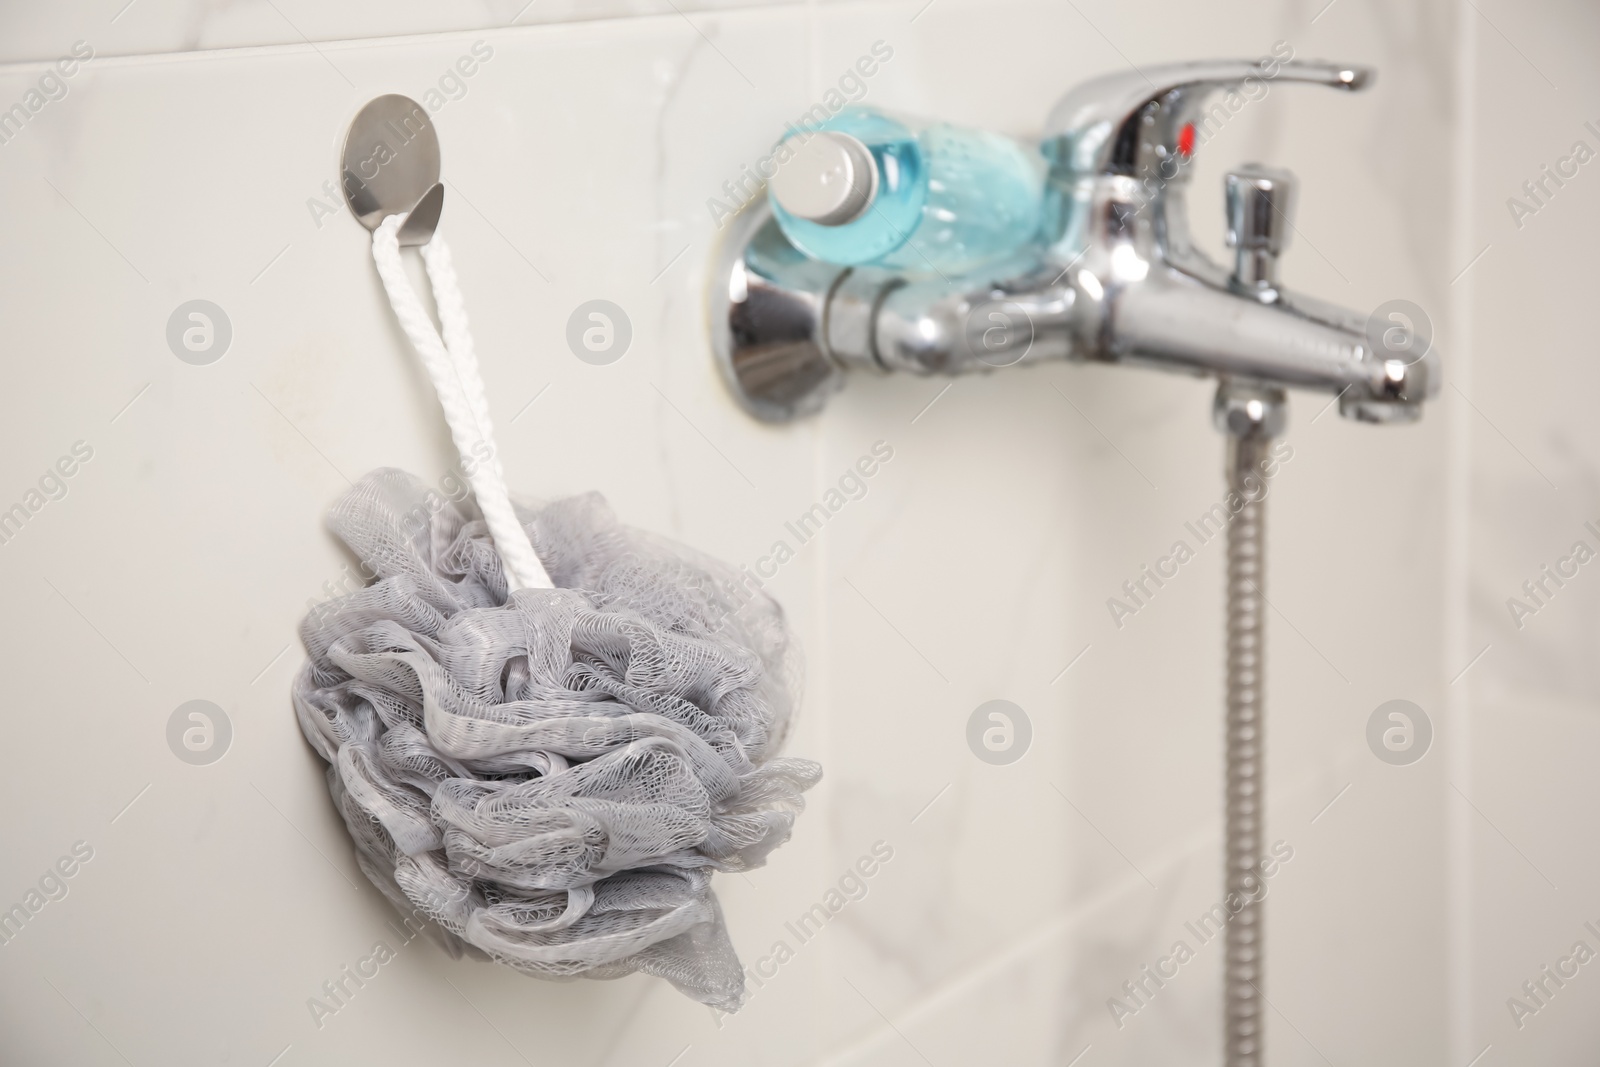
[[553, 777]]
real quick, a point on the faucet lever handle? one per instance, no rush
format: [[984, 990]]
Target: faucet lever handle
[[1120, 123]]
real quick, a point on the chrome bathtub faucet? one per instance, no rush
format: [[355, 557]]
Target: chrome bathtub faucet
[[1112, 277]]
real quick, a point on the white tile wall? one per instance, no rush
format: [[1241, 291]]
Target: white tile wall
[[1530, 829], [1019, 898], [144, 27]]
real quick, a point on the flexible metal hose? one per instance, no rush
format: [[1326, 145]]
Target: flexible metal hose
[[1242, 1000]]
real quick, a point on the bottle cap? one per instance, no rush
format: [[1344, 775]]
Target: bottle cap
[[831, 179]]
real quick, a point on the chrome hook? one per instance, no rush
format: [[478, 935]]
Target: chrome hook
[[390, 166]]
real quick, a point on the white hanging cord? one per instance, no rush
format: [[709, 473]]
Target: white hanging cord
[[452, 365], [458, 338]]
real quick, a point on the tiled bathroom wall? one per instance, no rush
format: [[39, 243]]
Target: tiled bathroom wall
[[1525, 803], [189, 158]]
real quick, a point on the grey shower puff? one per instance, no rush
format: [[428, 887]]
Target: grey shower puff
[[552, 778]]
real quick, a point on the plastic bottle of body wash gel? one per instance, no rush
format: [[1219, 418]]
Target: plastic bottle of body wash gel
[[868, 188]]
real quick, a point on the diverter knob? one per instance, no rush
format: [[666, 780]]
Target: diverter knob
[[1260, 200]]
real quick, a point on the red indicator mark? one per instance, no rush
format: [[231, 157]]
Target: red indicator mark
[[1186, 140]]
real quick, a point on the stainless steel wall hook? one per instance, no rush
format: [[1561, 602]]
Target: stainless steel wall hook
[[390, 165]]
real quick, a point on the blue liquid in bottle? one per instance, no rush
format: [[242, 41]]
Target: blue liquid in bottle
[[946, 199]]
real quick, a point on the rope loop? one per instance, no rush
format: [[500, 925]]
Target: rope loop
[[452, 366]]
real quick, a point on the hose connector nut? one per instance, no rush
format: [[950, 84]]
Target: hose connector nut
[[1249, 409]]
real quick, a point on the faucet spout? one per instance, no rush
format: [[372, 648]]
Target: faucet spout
[[1177, 321]]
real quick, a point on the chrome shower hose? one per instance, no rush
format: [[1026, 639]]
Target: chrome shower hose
[[1243, 818]]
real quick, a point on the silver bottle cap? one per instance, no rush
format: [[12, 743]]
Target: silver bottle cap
[[831, 179]]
